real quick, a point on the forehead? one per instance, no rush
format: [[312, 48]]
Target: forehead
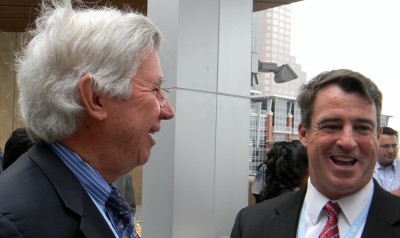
[[332, 101], [387, 138], [150, 69]]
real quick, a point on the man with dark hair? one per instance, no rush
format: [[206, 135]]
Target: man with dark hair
[[340, 118], [387, 170]]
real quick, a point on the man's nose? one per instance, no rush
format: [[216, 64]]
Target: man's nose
[[167, 112]]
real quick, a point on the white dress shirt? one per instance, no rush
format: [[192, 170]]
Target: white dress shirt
[[315, 217]]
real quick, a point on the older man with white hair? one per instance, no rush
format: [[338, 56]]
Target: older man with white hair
[[91, 99]]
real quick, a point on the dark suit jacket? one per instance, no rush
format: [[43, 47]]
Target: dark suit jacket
[[279, 217], [41, 198]]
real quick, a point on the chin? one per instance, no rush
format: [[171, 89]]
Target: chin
[[143, 159]]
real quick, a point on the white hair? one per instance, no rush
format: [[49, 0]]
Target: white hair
[[68, 43]]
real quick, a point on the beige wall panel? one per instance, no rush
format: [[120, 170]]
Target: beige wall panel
[[7, 84], [9, 116], [17, 122]]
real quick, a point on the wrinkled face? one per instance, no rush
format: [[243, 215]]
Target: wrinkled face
[[133, 121], [342, 142], [387, 152]]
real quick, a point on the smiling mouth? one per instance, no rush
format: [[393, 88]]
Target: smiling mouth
[[152, 131], [343, 161]]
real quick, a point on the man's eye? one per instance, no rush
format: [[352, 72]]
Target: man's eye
[[330, 127], [363, 128]]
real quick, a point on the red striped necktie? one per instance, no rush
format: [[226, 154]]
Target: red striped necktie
[[331, 228]]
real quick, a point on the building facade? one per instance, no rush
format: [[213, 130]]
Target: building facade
[[272, 118]]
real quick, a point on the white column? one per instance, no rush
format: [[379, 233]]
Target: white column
[[197, 177]]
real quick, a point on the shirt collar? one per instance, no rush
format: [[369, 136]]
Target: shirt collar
[[395, 164], [351, 206], [90, 179]]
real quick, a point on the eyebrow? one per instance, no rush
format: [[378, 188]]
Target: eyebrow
[[336, 119]]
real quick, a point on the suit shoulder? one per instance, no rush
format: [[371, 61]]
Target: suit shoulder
[[270, 207], [13, 175]]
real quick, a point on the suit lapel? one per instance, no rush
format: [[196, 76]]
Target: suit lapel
[[71, 192], [285, 221], [383, 215]]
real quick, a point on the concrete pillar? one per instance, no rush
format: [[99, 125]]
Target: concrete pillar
[[197, 177]]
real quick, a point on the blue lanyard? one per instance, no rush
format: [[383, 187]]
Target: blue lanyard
[[351, 232]]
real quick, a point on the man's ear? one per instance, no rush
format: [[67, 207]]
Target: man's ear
[[302, 134], [91, 101], [380, 132]]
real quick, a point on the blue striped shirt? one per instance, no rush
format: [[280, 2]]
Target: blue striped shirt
[[94, 184], [90, 179]]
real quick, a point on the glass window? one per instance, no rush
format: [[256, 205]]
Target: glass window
[[280, 112]]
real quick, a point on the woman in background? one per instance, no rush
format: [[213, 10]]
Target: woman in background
[[286, 169]]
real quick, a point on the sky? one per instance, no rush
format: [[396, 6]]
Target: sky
[[361, 35]]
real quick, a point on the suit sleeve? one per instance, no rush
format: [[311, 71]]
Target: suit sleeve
[[7, 228]]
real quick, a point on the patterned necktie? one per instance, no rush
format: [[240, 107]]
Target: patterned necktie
[[121, 214], [331, 229]]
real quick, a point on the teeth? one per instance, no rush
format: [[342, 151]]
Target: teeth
[[151, 132], [344, 159], [344, 162]]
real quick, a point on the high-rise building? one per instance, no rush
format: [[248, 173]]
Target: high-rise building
[[274, 111], [271, 42]]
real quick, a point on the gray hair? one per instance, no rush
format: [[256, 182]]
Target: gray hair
[[68, 43]]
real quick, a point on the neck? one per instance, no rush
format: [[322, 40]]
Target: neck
[[384, 165], [91, 155]]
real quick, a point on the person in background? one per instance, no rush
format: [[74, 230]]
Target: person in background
[[91, 99], [286, 169], [340, 127], [387, 170], [259, 181], [16, 145]]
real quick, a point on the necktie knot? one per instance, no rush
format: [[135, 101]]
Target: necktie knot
[[121, 214], [331, 229], [332, 209]]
